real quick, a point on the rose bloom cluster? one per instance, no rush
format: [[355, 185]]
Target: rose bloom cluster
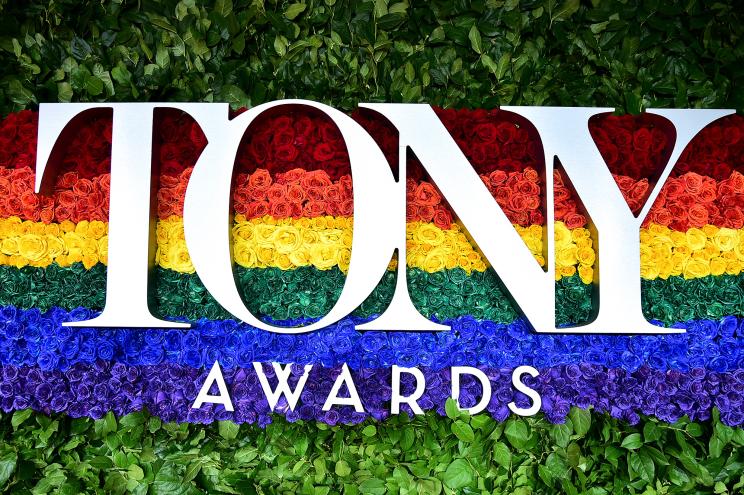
[[168, 391], [695, 253], [37, 244], [693, 200], [32, 338]]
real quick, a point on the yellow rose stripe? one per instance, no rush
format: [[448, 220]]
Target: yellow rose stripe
[[25, 243], [325, 242]]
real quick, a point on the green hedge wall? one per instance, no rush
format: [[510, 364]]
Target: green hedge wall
[[621, 53], [591, 454]]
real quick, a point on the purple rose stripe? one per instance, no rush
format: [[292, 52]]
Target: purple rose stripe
[[32, 338], [169, 391]]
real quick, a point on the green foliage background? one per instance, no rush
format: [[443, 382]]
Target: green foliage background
[[590, 454], [622, 53], [626, 54]]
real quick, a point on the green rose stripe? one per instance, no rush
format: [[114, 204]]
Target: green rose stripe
[[310, 293], [430, 454], [624, 54]]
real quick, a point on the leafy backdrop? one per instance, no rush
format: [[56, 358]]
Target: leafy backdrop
[[627, 54]]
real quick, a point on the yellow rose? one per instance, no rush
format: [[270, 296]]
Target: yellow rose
[[37, 228], [89, 260], [435, 261], [82, 227], [566, 256], [55, 246], [265, 256], [32, 247], [581, 234], [426, 233], [323, 256], [726, 239], [695, 239], [717, 266], [103, 249], [710, 230], [562, 235], [243, 230], [53, 229], [679, 239], [10, 246], [300, 257], [586, 273], [287, 239], [244, 254], [586, 256], [344, 256], [568, 271], [264, 235], [696, 268], [179, 257], [18, 261], [282, 262]]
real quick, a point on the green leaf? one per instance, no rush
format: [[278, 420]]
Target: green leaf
[[342, 469], [19, 417], [294, 10], [501, 454], [632, 441], [8, 462], [463, 431], [450, 407], [475, 39], [459, 474], [643, 465], [223, 7], [373, 486], [228, 430], [581, 420], [369, 431], [517, 433]]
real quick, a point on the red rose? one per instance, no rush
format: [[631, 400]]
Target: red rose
[[574, 220], [323, 152], [276, 193], [314, 209], [259, 149], [662, 216], [260, 180], [280, 209], [346, 207], [315, 178], [286, 153], [673, 188], [734, 218], [333, 193], [427, 195], [284, 137], [293, 176], [485, 132], [506, 132], [442, 217], [698, 215], [295, 194], [426, 213], [536, 217], [692, 182], [257, 209], [642, 139], [497, 178], [411, 212], [315, 193]]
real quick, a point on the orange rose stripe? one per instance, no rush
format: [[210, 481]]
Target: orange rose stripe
[[687, 201]]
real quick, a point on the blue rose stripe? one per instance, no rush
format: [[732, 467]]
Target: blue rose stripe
[[169, 390], [32, 338]]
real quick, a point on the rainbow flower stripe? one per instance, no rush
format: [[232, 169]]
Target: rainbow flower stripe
[[292, 238]]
